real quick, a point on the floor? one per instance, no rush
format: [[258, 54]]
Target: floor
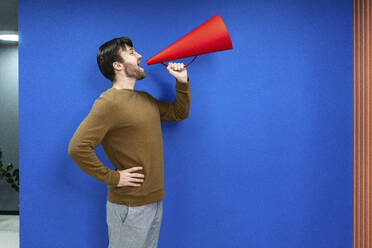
[[9, 231]]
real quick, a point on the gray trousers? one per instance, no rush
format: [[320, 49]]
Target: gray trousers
[[134, 227]]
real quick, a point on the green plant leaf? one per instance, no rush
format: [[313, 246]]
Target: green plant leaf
[[10, 167]]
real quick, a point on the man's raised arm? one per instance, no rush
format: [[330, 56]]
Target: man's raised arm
[[178, 109]]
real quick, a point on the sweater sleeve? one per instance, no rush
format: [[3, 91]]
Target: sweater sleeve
[[88, 136], [178, 109]]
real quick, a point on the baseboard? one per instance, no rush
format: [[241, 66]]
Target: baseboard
[[4, 212]]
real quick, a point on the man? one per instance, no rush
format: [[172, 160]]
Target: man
[[127, 123]]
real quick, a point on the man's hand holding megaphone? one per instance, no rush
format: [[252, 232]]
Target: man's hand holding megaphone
[[178, 70]]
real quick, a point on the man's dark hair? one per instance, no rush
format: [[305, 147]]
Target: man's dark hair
[[109, 53]]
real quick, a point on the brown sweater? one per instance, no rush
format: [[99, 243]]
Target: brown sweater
[[126, 122]]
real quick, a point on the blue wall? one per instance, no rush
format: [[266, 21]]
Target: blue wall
[[265, 157]]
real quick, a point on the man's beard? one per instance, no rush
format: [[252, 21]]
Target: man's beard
[[134, 71]]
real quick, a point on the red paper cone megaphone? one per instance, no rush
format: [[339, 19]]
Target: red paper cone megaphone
[[211, 36]]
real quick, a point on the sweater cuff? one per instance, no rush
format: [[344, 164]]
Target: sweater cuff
[[183, 86], [114, 178]]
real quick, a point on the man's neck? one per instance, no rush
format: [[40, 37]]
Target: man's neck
[[124, 83]]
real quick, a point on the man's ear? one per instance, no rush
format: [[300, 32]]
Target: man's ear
[[117, 66]]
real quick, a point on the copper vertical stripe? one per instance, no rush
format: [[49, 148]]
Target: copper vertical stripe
[[368, 122], [362, 124]]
